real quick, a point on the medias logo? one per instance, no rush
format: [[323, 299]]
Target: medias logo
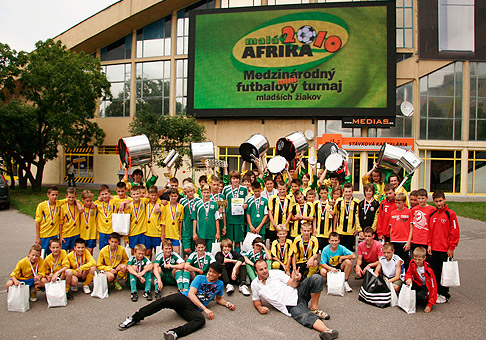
[[293, 42]]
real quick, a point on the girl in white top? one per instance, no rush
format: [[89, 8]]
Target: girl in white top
[[391, 266]]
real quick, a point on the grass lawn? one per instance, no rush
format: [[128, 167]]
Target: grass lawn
[[26, 202]]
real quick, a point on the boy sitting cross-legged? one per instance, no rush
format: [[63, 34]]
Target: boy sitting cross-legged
[[140, 272]]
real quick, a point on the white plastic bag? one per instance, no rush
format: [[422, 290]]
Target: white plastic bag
[[18, 298], [56, 293], [335, 283], [158, 250], [406, 299], [216, 247], [100, 285], [394, 297], [247, 242], [450, 274], [128, 250], [121, 223]]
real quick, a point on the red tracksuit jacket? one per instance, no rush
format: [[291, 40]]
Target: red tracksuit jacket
[[443, 230], [384, 217], [430, 280]]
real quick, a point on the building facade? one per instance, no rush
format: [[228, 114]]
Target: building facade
[[143, 48]]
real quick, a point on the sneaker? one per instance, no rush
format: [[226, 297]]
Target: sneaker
[[157, 294], [330, 334], [244, 290], [134, 296], [229, 289], [33, 296], [170, 335], [347, 288], [321, 314], [74, 288], [147, 295], [69, 296], [118, 286], [441, 299], [86, 290], [129, 322]]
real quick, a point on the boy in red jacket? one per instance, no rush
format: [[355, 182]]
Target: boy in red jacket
[[384, 215], [421, 276], [443, 239], [401, 228]]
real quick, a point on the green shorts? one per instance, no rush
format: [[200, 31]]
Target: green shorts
[[188, 243], [235, 232]]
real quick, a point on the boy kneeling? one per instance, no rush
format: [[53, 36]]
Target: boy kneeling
[[80, 265], [113, 261], [422, 278]]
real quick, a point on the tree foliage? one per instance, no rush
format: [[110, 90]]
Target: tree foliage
[[60, 89], [167, 133]]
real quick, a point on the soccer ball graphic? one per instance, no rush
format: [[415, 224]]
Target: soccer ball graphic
[[306, 34]]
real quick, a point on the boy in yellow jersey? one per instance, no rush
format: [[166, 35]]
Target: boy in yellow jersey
[[87, 221], [138, 220], [305, 250], [113, 261], [47, 216], [323, 217], [153, 236], [302, 211], [29, 271], [279, 210], [80, 266], [121, 191], [105, 206], [346, 219], [52, 267], [69, 221], [172, 219], [280, 250]]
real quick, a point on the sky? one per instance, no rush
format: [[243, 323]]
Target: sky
[[24, 22]]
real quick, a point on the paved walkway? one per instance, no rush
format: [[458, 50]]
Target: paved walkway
[[461, 318]]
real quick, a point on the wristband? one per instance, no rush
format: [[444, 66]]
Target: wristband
[[201, 306]]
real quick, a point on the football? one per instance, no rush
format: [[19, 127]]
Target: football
[[306, 34]]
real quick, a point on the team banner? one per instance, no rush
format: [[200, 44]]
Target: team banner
[[306, 60]]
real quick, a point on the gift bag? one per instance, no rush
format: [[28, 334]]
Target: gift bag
[[374, 290], [335, 283], [406, 299], [247, 242], [450, 274], [18, 298], [100, 285], [394, 297], [56, 293], [216, 248], [121, 223], [128, 250]]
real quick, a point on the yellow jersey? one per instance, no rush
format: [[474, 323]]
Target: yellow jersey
[[25, 270], [138, 217], [48, 215], [303, 251], [172, 218], [85, 262], [306, 210], [88, 224], [282, 252], [108, 259], [154, 221], [323, 218], [69, 224], [52, 265]]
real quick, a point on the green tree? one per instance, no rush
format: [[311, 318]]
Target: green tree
[[167, 133], [62, 87]]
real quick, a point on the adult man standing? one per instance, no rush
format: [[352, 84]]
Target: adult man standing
[[291, 296]]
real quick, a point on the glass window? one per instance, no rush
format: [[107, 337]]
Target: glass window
[[404, 23], [119, 76], [120, 49], [183, 24], [456, 25], [334, 127], [477, 116], [476, 172], [441, 170], [441, 103], [181, 86], [153, 86], [240, 3], [403, 125], [83, 163], [154, 40]]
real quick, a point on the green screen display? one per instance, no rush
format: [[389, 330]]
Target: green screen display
[[303, 61]]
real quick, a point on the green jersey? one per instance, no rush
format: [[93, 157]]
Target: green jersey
[[201, 262], [189, 206], [140, 264], [235, 197], [257, 209], [173, 259], [206, 214]]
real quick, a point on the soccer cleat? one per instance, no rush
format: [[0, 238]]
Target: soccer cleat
[[170, 335], [244, 290], [157, 294], [118, 286], [74, 288], [229, 289], [347, 288], [330, 334], [147, 295], [321, 314], [33, 296], [69, 296], [134, 296], [86, 290], [129, 322]]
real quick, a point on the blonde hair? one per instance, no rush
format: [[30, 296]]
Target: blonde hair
[[226, 243], [280, 227], [87, 194], [389, 246], [401, 197], [189, 186], [419, 252], [139, 247]]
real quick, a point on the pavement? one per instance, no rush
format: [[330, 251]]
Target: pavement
[[461, 318]]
